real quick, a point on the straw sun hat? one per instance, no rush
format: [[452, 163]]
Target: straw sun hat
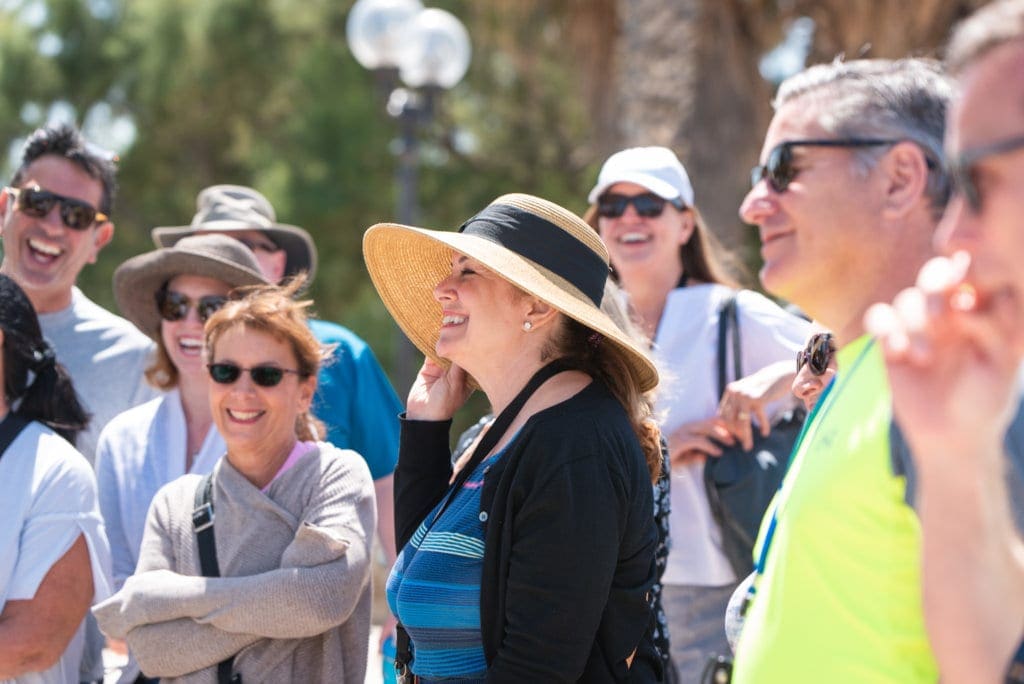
[[137, 280], [534, 244]]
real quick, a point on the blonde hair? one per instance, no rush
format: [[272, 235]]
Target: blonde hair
[[272, 310]]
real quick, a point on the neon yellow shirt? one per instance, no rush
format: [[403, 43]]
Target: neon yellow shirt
[[840, 598]]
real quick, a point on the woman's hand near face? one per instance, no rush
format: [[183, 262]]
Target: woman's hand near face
[[746, 399], [437, 393]]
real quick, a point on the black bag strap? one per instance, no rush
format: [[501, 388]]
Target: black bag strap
[[10, 427], [500, 426], [728, 317], [202, 524]]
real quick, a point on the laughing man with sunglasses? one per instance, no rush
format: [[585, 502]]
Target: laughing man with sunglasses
[[955, 347], [54, 220], [845, 201]]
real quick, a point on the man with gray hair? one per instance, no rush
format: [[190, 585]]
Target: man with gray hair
[[846, 198], [955, 348]]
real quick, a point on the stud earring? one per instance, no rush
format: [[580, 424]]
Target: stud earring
[[527, 326]]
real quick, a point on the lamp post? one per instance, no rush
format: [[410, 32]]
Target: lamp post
[[415, 54]]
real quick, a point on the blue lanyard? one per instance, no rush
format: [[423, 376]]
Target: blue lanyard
[[769, 534]]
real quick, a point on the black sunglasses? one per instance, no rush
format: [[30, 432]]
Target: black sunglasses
[[779, 171], [964, 169], [37, 203], [174, 306], [264, 376], [647, 205], [816, 354]]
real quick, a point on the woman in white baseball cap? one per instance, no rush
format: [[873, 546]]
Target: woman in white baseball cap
[[674, 271]]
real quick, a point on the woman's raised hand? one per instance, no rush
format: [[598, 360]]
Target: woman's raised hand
[[437, 393]]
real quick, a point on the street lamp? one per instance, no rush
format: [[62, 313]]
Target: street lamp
[[428, 51]]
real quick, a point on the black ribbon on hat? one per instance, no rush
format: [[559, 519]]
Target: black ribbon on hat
[[543, 243]]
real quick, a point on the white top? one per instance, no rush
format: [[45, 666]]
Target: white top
[[106, 357], [686, 349], [139, 452], [49, 498]]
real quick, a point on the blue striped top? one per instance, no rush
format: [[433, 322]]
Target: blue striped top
[[434, 587]]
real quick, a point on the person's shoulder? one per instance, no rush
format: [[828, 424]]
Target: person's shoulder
[[131, 421], [336, 462], [91, 317], [56, 460], [328, 332], [584, 417]]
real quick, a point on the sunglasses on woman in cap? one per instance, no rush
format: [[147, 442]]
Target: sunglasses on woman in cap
[[647, 204]]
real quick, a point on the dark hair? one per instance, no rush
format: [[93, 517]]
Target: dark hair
[[990, 27], [65, 141], [36, 386]]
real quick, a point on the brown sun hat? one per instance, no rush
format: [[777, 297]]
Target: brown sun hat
[[137, 280], [536, 245], [229, 208]]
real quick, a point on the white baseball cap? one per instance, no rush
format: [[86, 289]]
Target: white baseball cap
[[656, 168]]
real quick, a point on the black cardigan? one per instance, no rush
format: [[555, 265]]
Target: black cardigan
[[569, 541]]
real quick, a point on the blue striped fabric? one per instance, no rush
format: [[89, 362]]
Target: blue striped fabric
[[434, 587]]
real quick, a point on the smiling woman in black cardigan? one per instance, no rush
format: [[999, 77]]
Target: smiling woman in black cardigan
[[537, 563]]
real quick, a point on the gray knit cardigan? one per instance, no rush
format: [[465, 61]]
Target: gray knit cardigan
[[293, 601]]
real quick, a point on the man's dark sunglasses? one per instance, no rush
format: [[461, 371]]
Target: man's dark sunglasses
[[816, 354], [37, 203], [779, 171], [647, 205], [174, 306], [964, 168], [264, 376]]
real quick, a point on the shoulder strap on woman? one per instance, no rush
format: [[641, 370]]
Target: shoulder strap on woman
[[10, 428], [202, 523]]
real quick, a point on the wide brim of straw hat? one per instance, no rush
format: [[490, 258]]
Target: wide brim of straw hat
[[137, 280], [406, 263], [297, 244]]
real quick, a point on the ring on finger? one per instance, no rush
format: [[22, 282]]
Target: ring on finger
[[743, 415]]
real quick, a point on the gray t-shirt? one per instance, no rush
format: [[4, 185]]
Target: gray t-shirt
[[106, 357]]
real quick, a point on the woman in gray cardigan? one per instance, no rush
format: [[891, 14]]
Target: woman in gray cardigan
[[293, 520]]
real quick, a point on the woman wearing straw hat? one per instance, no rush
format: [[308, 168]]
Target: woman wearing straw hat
[[54, 559], [259, 571], [536, 563], [673, 270]]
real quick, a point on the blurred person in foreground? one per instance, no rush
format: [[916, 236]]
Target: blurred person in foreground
[[537, 563], [292, 520], [673, 271], [54, 559], [954, 350], [846, 199], [168, 294], [354, 398]]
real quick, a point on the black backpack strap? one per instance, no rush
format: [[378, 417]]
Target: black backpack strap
[[728, 322], [10, 428], [202, 523]]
